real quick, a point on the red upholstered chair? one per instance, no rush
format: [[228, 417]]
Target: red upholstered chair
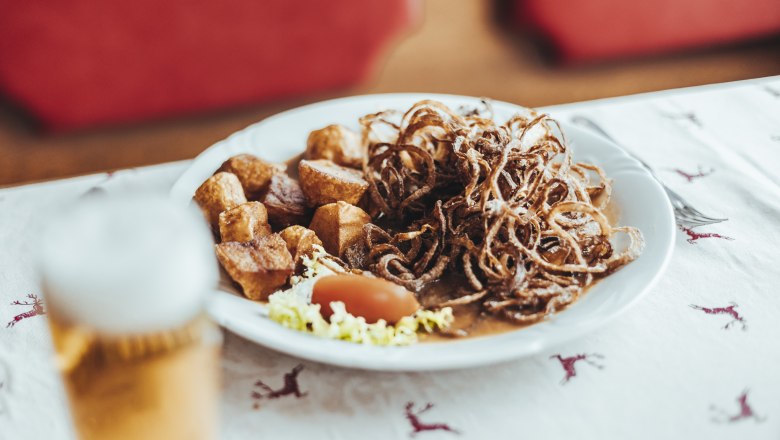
[[80, 63], [586, 30]]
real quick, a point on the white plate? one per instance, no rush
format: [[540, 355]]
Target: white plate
[[640, 200]]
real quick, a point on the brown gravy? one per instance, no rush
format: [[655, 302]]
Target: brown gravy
[[468, 317]]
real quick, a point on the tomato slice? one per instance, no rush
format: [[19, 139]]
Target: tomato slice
[[371, 298]]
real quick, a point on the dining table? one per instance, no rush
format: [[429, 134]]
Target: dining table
[[697, 358]]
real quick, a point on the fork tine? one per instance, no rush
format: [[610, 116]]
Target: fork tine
[[686, 219], [688, 216], [697, 224], [695, 214], [711, 221], [692, 213], [691, 216]]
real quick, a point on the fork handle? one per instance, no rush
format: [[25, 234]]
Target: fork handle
[[588, 123]]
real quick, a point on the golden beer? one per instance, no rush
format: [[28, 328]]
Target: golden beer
[[158, 385], [124, 283]]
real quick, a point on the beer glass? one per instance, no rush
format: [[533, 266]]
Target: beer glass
[[124, 280]]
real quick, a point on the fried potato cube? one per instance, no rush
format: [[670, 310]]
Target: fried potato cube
[[285, 202], [300, 241], [244, 222], [218, 193], [337, 143], [260, 266], [254, 173], [323, 182], [339, 225]]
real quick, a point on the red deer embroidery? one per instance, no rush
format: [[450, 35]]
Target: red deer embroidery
[[730, 310], [745, 411], [693, 235], [419, 426], [290, 387], [691, 177], [37, 309], [568, 363]]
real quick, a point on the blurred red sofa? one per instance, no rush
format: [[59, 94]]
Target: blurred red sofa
[[590, 30], [80, 63]]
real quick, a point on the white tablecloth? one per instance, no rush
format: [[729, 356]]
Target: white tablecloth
[[662, 370]]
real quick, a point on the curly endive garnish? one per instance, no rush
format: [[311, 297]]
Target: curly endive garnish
[[503, 204], [294, 312]]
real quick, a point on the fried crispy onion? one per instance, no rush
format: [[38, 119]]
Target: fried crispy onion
[[503, 204]]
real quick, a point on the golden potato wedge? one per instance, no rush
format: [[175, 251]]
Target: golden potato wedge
[[337, 143], [323, 182], [285, 202], [338, 225], [260, 266], [300, 241], [218, 193], [253, 173], [244, 222]]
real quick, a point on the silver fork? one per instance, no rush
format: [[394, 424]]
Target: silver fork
[[686, 215]]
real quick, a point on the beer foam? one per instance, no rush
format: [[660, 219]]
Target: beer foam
[[127, 263]]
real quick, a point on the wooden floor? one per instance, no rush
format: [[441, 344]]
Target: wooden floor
[[452, 50]]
